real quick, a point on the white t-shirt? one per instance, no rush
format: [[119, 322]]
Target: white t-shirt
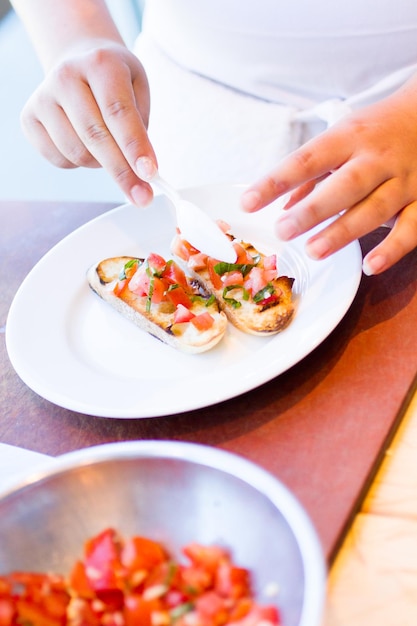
[[237, 84], [297, 52]]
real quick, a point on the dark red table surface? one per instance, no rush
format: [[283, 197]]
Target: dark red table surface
[[321, 427]]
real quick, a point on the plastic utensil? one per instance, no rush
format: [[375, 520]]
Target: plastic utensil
[[196, 226]]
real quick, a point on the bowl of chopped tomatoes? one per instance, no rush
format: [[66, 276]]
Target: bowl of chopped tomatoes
[[156, 533]]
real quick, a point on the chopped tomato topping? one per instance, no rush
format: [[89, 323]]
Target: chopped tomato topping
[[232, 278], [140, 281], [182, 314], [141, 553], [197, 261], [270, 262], [203, 321], [214, 277], [243, 256], [177, 295], [120, 286], [157, 290], [156, 262], [140, 585], [182, 248], [255, 281], [270, 275], [173, 274]]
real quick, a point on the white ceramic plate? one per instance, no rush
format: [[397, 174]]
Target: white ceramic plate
[[73, 349]]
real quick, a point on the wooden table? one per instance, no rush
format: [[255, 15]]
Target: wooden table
[[322, 427]]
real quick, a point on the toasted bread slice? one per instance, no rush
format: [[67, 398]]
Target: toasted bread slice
[[250, 292], [157, 297]]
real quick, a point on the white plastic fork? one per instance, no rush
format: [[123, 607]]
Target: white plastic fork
[[196, 226]]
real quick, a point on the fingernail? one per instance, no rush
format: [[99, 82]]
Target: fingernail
[[145, 168], [374, 265], [251, 200], [286, 228], [318, 248], [140, 196]]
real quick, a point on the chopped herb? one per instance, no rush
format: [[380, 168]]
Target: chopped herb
[[127, 266], [264, 294], [150, 292], [223, 268], [232, 301]]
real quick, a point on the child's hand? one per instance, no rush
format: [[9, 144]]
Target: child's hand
[[92, 110], [366, 165]]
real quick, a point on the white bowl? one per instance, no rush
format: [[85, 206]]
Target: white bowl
[[174, 493]]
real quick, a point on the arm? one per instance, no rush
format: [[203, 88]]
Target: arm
[[366, 165], [92, 108]]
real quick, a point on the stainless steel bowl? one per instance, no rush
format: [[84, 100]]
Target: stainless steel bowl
[[175, 493]]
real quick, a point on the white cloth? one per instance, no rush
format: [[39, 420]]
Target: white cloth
[[295, 52], [236, 85], [204, 132]]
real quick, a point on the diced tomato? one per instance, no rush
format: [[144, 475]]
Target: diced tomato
[[231, 581], [197, 261], [208, 557], [270, 262], [269, 275], [140, 281], [142, 553], [79, 581], [232, 278], [203, 321], [259, 615], [131, 269], [156, 262], [7, 612], [120, 287], [182, 248], [182, 314], [102, 559], [214, 277], [35, 615], [212, 607], [243, 257], [5, 587], [195, 580], [179, 296], [175, 275], [157, 286], [138, 612], [255, 281]]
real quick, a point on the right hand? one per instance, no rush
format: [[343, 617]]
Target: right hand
[[92, 110]]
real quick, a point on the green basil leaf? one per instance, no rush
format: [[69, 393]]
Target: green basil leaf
[[264, 294], [127, 266], [223, 268]]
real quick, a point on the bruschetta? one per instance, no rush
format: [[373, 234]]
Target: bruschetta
[[254, 297], [159, 298]]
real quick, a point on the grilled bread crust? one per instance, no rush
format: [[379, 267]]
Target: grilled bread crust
[[158, 319]]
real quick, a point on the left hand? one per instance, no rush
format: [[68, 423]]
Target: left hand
[[366, 165]]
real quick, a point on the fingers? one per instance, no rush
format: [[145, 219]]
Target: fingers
[[400, 240], [93, 113], [360, 219], [312, 161], [342, 190], [59, 144]]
